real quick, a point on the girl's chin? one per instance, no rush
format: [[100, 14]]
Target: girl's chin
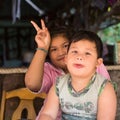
[[61, 65]]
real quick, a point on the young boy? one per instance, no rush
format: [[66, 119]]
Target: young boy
[[83, 93]]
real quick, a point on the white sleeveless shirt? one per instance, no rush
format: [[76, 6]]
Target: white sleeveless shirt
[[79, 105]]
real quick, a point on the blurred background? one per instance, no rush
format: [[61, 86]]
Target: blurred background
[[17, 45]]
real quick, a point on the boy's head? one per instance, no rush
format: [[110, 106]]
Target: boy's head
[[90, 36], [84, 54]]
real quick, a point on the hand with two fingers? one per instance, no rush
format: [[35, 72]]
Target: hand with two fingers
[[42, 37]]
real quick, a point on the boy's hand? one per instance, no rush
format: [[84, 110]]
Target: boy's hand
[[42, 37]]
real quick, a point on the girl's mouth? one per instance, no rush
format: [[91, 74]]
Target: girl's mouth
[[61, 59]]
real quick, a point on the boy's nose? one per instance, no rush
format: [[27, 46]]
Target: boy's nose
[[79, 58]]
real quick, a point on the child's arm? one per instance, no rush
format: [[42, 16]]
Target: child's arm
[[51, 107], [34, 75], [107, 103]]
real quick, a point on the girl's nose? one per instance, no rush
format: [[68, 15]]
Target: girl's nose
[[62, 51]]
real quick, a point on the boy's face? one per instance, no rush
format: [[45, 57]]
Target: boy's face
[[82, 58], [58, 50]]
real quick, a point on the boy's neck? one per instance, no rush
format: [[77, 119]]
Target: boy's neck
[[80, 83]]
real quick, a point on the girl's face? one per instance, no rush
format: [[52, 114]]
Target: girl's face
[[58, 50], [82, 58]]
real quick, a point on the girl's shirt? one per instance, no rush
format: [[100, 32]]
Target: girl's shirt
[[49, 77], [103, 71]]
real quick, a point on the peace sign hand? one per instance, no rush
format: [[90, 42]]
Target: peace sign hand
[[42, 37]]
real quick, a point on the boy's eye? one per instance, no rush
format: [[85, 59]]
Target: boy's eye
[[87, 53]]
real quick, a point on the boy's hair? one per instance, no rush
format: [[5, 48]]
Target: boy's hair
[[90, 36]]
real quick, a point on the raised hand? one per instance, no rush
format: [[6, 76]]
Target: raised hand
[[42, 37]]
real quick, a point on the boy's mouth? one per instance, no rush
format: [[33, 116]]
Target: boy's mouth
[[78, 65]]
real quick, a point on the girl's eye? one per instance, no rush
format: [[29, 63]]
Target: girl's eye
[[74, 51], [53, 49], [66, 46]]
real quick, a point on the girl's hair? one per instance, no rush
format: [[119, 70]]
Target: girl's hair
[[60, 31], [90, 36]]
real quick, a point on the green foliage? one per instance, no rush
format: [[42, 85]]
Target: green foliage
[[110, 35]]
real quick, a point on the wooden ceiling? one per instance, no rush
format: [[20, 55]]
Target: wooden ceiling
[[26, 9], [88, 14]]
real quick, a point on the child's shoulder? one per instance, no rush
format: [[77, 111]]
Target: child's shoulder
[[61, 83], [61, 80], [63, 77], [50, 67], [103, 82], [100, 78]]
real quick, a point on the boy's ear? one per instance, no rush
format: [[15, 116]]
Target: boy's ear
[[99, 61]]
